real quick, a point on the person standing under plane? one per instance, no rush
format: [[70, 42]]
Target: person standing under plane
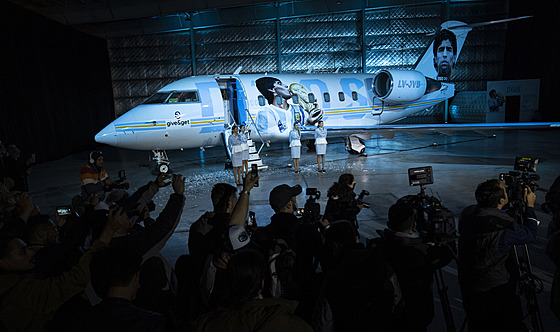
[[236, 149], [295, 146], [245, 158], [321, 145]]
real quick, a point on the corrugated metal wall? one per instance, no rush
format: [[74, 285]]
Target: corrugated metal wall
[[394, 38]]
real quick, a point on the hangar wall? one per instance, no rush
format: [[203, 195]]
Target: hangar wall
[[55, 86], [394, 37]]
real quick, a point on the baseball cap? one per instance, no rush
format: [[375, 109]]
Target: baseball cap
[[282, 194], [237, 237]]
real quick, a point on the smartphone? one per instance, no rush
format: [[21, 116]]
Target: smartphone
[[251, 222], [255, 173], [63, 210]]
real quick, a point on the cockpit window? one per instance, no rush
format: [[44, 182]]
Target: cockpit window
[[157, 98], [174, 97], [183, 97]]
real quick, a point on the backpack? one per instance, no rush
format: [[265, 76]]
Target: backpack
[[360, 294], [282, 268]]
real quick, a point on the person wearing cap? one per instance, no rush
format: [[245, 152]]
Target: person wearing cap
[[214, 281], [94, 177], [414, 262], [304, 239]]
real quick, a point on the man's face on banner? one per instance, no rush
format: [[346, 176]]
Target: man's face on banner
[[444, 59]]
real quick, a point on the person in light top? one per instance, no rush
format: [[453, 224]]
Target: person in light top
[[295, 146], [236, 149], [245, 157], [321, 145]]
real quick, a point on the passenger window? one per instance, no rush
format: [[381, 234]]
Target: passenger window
[[341, 96], [262, 101], [354, 95], [295, 99], [326, 97], [311, 98]]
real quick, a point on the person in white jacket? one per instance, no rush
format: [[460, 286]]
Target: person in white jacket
[[321, 145], [295, 146]]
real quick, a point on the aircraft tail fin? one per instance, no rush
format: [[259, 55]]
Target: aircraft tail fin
[[427, 64]]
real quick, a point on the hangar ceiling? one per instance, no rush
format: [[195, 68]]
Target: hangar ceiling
[[154, 42], [119, 18]]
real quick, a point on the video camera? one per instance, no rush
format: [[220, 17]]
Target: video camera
[[433, 220], [360, 199], [311, 212], [520, 178]]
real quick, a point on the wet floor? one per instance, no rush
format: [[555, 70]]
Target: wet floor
[[459, 163]]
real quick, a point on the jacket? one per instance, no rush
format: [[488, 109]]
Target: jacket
[[27, 303], [487, 238]]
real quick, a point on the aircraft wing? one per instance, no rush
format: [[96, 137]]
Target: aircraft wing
[[389, 130]]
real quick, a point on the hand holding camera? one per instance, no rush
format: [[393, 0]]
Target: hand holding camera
[[529, 196], [178, 183]]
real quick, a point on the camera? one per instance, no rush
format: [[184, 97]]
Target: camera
[[251, 223], [433, 220], [312, 210], [120, 183], [255, 173], [64, 210], [520, 178], [360, 199]]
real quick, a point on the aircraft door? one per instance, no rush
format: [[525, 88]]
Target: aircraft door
[[239, 103], [235, 102], [375, 110]]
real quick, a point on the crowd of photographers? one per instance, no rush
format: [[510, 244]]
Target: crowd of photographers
[[99, 266]]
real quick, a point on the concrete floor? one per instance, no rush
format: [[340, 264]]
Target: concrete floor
[[459, 163]]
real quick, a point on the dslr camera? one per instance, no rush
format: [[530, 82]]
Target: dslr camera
[[311, 212], [360, 199]]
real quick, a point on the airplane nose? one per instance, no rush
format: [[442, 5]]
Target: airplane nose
[[107, 136]]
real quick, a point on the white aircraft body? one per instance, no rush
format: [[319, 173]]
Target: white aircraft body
[[198, 111]]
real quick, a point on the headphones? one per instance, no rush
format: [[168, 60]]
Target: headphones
[[91, 160]]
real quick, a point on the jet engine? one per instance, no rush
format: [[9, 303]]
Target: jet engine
[[398, 86]]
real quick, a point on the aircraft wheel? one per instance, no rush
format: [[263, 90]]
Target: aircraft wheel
[[163, 168]]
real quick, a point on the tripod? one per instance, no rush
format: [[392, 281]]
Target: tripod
[[444, 299], [529, 284]]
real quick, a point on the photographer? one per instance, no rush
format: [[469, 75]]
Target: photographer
[[342, 203], [414, 261], [487, 261], [94, 177], [290, 247]]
